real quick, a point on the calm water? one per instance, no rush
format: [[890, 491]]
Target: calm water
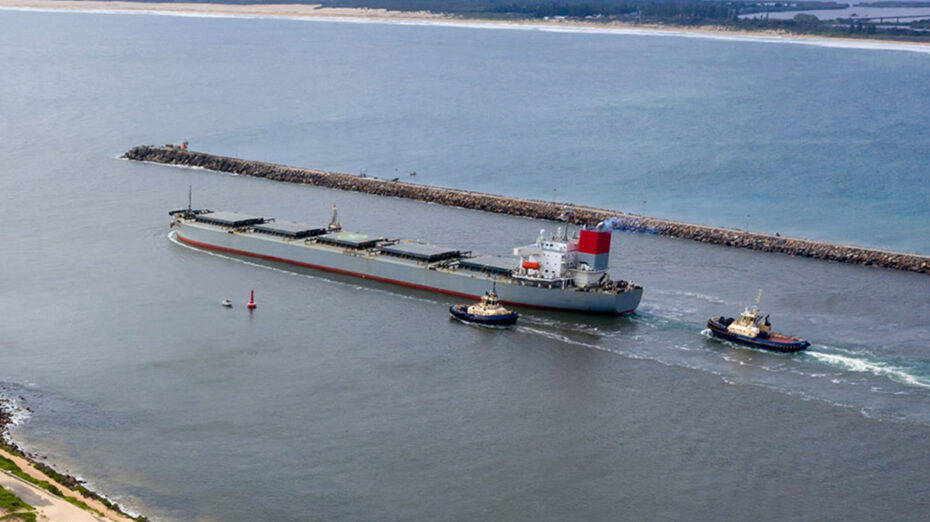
[[343, 400]]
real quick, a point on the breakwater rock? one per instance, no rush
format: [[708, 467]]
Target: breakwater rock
[[577, 214]]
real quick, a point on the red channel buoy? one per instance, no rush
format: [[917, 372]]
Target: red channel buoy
[[252, 305]]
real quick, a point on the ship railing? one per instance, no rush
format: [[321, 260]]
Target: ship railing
[[188, 213], [555, 282]]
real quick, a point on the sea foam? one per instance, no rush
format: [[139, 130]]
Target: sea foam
[[857, 364]]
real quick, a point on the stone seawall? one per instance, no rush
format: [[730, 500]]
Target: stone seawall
[[580, 215]]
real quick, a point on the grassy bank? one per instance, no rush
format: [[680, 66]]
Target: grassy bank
[[45, 477], [13, 508], [8, 465]]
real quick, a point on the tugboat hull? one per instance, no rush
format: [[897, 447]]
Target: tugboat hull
[[774, 342], [460, 312]]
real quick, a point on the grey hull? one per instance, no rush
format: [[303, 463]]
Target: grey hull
[[406, 272]]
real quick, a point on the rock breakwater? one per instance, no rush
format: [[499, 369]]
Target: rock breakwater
[[577, 214]]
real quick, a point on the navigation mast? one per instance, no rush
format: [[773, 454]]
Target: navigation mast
[[334, 225]]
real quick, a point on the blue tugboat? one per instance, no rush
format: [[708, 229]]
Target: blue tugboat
[[752, 330], [488, 312]]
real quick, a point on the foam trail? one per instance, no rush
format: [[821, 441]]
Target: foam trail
[[836, 43], [880, 369]]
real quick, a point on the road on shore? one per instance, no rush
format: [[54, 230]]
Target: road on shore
[[48, 506]]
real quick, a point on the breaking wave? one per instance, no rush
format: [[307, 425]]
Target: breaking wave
[[10, 400], [878, 368]]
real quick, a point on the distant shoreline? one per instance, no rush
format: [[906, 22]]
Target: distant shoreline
[[316, 12]]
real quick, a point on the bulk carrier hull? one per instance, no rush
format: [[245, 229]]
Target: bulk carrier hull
[[447, 277]]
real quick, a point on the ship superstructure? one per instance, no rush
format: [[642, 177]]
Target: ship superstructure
[[580, 261], [557, 272]]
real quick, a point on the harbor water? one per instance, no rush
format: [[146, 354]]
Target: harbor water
[[344, 399]]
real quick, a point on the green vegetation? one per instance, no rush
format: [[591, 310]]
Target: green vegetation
[[644, 10], [81, 504], [10, 502], [15, 508], [687, 10], [25, 516], [9, 465], [68, 481], [72, 483], [694, 13]]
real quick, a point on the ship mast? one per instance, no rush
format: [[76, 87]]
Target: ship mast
[[334, 225], [565, 216]]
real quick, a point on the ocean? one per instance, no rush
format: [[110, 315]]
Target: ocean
[[344, 399]]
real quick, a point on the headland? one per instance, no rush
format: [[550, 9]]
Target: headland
[[577, 214]]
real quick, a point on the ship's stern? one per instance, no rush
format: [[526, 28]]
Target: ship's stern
[[627, 301]]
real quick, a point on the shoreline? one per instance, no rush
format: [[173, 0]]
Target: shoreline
[[56, 494], [314, 12], [515, 206]]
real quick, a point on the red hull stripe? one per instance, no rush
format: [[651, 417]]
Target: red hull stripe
[[208, 246]]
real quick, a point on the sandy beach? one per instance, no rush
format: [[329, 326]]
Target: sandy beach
[[48, 506], [317, 12], [20, 475]]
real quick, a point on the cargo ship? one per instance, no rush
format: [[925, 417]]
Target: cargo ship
[[558, 272]]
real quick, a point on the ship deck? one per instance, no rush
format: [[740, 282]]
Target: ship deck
[[394, 252], [406, 263], [397, 252]]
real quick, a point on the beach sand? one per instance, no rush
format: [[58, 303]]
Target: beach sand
[[48, 505], [315, 11], [288, 10]]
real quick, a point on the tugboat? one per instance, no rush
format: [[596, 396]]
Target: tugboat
[[488, 312], [754, 330]]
